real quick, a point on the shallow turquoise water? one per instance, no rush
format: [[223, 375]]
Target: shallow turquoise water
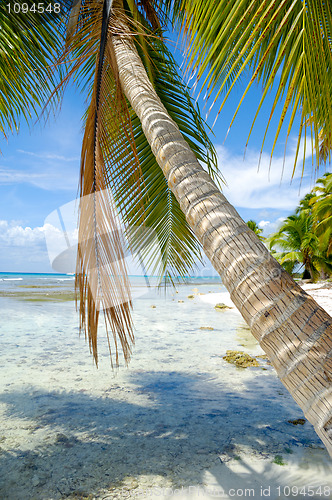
[[68, 428]]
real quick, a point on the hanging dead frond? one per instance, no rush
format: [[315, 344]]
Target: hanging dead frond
[[119, 169], [101, 275], [148, 8], [73, 19]]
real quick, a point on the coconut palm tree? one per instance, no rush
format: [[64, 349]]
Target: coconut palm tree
[[305, 237], [300, 246], [133, 122], [292, 329], [321, 204], [255, 227]]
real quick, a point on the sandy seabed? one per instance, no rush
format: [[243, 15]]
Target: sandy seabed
[[179, 423]]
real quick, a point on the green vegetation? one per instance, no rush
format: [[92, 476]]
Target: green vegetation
[[255, 227], [303, 243], [29, 43], [322, 211], [279, 460], [240, 359], [297, 421]]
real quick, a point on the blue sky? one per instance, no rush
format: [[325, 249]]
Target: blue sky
[[39, 171]]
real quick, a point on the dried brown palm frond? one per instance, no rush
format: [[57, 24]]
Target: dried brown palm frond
[[119, 169], [101, 275]]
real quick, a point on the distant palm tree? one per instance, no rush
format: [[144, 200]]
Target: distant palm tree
[[300, 247], [255, 227], [321, 204]]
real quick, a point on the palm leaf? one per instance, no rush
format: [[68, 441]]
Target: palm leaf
[[101, 275], [117, 154], [291, 257], [29, 42], [285, 45]]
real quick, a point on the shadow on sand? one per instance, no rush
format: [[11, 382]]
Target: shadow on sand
[[76, 445]]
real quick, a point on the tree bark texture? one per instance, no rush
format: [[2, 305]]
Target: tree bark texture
[[293, 330]]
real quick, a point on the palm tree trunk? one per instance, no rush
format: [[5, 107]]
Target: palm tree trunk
[[293, 330], [308, 266]]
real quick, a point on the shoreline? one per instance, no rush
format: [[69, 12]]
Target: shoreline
[[321, 292], [178, 423]]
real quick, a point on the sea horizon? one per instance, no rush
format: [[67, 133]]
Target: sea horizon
[[143, 276]]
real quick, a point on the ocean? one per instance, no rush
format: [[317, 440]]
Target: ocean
[[71, 430]]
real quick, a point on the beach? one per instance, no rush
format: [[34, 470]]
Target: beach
[[178, 422]]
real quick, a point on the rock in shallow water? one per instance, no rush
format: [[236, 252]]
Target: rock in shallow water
[[222, 306], [298, 421], [240, 358]]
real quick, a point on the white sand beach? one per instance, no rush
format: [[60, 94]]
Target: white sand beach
[[321, 292], [178, 423]]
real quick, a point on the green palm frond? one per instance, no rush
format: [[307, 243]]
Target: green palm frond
[[323, 185], [254, 227], [161, 212], [137, 183], [310, 242], [29, 42], [291, 257], [117, 156], [325, 225], [290, 261], [290, 233], [321, 206], [298, 241], [285, 45]]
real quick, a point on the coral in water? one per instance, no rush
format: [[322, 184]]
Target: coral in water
[[240, 358]]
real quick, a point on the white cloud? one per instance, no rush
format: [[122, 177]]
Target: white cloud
[[269, 186], [51, 177], [24, 247], [270, 227], [12, 234], [49, 156], [264, 223]]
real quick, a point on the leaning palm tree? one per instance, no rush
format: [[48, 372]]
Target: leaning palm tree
[[292, 329], [138, 118]]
